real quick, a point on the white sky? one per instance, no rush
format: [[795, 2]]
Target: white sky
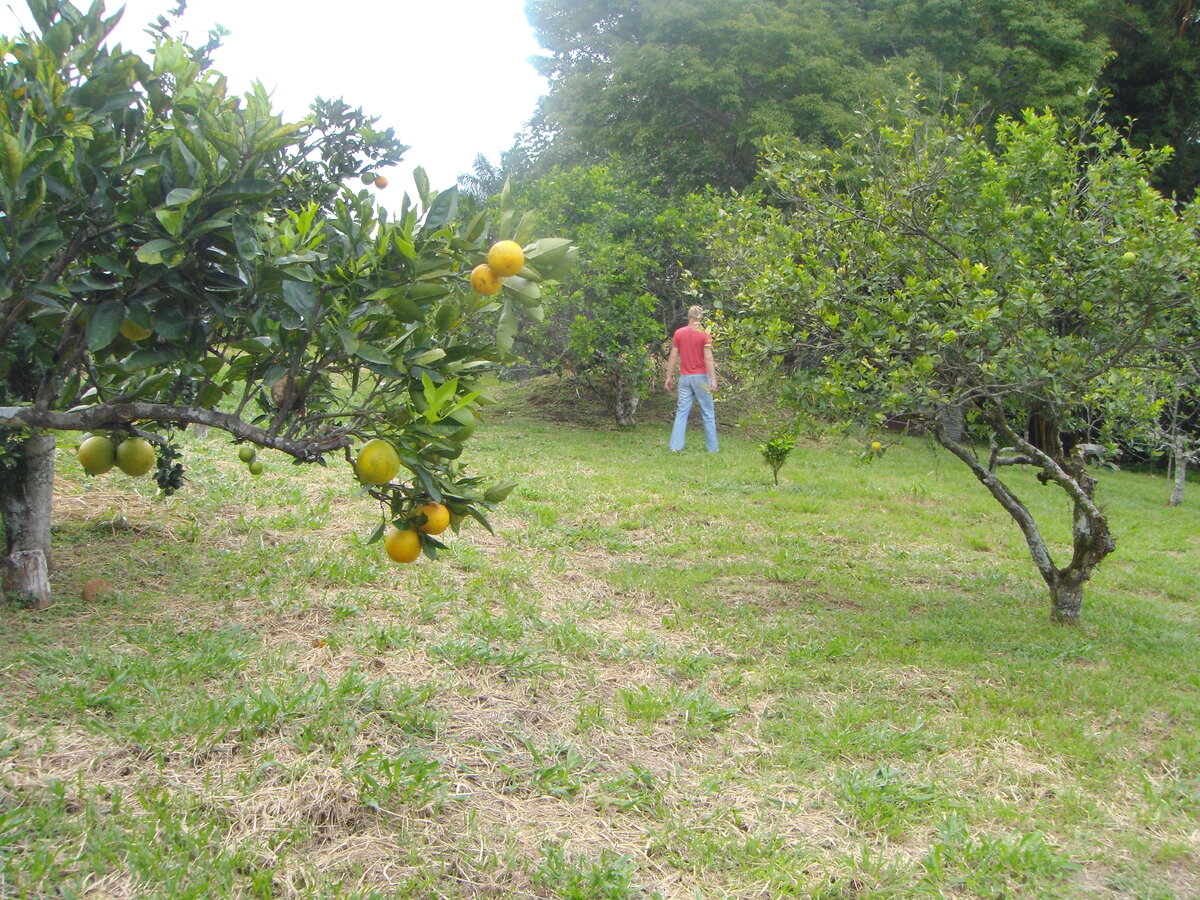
[[451, 77]]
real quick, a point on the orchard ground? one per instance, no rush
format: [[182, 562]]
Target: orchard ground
[[663, 675]]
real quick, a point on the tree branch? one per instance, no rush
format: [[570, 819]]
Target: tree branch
[[111, 415]]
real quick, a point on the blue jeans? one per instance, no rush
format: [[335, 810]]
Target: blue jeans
[[694, 388]]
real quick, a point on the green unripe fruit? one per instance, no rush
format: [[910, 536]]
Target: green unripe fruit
[[247, 454]]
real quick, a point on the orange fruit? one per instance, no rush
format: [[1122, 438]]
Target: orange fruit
[[437, 517], [134, 331], [484, 280], [377, 463], [135, 456], [403, 546], [380, 182], [875, 445], [256, 467], [506, 258], [97, 455]]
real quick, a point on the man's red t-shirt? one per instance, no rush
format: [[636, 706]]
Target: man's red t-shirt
[[690, 342]]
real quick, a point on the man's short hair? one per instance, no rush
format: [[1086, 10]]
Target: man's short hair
[[696, 312]]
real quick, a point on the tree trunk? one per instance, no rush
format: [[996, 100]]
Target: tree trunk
[[626, 411], [26, 494], [1181, 462], [1066, 601], [626, 401], [1090, 536]]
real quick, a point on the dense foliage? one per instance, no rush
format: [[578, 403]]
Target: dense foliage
[[687, 90]]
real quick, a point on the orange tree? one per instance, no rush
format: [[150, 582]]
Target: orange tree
[[997, 296], [173, 254]]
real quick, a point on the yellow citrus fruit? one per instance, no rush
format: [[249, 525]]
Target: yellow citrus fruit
[[134, 331], [135, 456], [380, 182], [97, 455], [403, 546], [875, 445], [506, 258], [437, 517], [377, 463], [484, 280]]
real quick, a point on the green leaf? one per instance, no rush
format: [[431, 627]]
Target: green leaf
[[372, 354], [475, 230], [506, 329], [151, 253], [443, 209], [12, 159], [181, 197], [246, 240], [525, 290], [508, 208], [245, 189], [422, 182], [498, 492], [525, 229], [378, 533], [171, 219], [104, 324], [406, 310], [301, 296]]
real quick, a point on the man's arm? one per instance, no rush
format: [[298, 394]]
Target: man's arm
[[671, 361], [710, 366]]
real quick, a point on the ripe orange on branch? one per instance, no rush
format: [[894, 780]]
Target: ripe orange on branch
[[485, 280], [437, 517], [506, 258], [377, 463], [403, 546]]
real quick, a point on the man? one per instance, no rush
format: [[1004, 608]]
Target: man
[[691, 348]]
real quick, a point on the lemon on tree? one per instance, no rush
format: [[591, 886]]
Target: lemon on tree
[[485, 280], [97, 455], [377, 463], [506, 258], [403, 544], [437, 517], [135, 456]]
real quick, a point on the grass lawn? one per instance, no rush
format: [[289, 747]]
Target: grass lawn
[[663, 676]]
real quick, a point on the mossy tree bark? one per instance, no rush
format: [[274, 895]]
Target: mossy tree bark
[[26, 496]]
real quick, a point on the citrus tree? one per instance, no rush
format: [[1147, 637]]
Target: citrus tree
[[985, 293], [174, 254]]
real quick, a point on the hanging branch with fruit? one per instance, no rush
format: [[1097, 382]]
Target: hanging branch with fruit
[[173, 256]]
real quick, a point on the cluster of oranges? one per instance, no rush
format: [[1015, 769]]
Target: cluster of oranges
[[377, 463], [504, 258], [133, 456]]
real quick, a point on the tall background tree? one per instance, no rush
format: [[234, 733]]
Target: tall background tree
[[686, 89]]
